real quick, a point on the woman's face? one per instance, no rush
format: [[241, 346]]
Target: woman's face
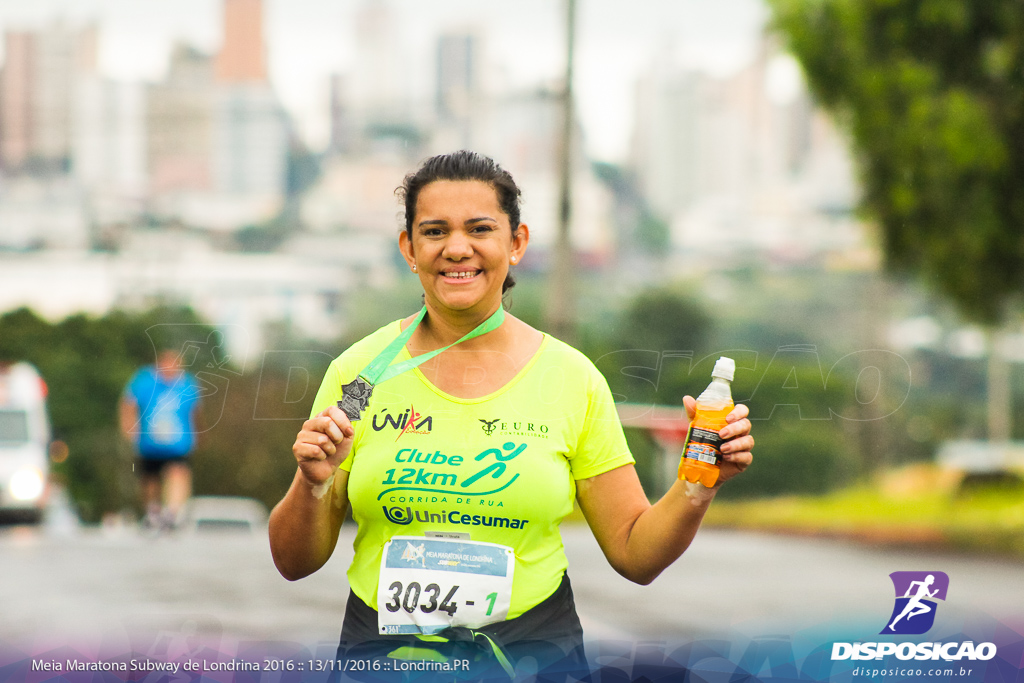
[[461, 245]]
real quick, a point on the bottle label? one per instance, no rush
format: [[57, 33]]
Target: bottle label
[[704, 445]]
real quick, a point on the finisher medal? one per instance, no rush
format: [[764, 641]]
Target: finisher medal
[[355, 396]]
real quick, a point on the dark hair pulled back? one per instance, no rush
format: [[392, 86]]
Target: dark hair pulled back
[[463, 165]]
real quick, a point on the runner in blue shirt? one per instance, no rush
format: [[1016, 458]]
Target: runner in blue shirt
[[158, 415]]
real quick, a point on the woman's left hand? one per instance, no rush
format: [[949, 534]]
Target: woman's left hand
[[737, 444]]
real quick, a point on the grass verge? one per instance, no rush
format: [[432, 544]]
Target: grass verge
[[982, 520]]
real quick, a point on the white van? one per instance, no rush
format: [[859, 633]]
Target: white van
[[24, 443]]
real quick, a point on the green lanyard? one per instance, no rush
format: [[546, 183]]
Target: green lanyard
[[355, 396]]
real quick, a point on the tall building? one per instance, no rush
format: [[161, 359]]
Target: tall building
[[218, 137], [16, 98], [666, 138], [456, 75], [109, 147], [250, 133], [179, 125], [457, 94], [378, 92], [37, 88], [250, 152], [342, 133], [242, 58]]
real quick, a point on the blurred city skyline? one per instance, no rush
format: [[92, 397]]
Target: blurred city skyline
[[309, 42], [185, 178]]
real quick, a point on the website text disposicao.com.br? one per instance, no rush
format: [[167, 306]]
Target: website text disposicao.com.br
[[907, 653], [908, 671]]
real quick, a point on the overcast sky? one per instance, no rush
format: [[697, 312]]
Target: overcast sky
[[310, 39]]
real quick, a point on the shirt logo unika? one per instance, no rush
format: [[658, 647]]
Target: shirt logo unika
[[409, 422]]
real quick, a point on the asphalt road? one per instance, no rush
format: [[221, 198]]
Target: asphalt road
[[61, 585]]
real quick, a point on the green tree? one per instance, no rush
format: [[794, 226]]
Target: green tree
[[932, 94], [647, 353]]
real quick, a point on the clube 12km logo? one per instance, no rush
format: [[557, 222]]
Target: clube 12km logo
[[913, 613]]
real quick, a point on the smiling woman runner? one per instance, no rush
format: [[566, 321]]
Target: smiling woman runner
[[459, 437]]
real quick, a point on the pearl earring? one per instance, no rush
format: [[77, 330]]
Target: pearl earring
[[513, 259], [414, 268]]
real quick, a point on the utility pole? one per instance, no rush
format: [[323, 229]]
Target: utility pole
[[560, 320]]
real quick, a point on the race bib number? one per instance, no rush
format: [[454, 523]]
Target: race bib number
[[429, 584]]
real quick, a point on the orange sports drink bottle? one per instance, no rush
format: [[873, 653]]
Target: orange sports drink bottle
[[702, 454]]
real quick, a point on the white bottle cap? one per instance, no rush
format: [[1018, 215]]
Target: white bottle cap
[[725, 368]]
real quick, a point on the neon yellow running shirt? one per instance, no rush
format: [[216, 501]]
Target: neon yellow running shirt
[[502, 468]]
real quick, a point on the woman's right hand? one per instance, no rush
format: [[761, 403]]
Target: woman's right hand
[[304, 526], [323, 443]]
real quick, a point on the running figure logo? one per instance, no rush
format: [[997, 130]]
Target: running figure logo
[[916, 592], [413, 553]]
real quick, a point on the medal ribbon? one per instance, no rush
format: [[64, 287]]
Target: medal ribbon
[[380, 368]]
